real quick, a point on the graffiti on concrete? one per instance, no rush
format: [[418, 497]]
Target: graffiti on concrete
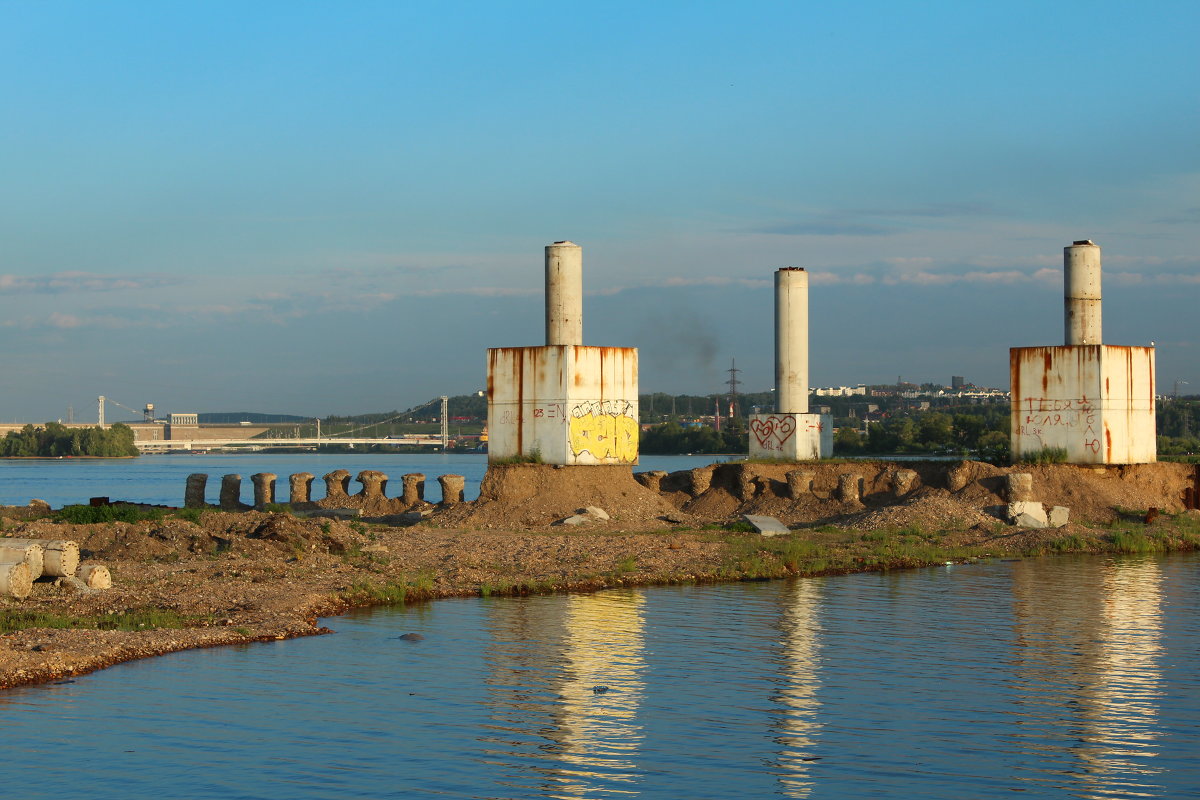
[[608, 429], [771, 432]]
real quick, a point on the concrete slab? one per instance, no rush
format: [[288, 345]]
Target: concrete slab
[[767, 526]]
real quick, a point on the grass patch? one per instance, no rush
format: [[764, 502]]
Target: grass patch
[[1047, 455], [534, 457], [118, 512], [190, 514], [133, 620]]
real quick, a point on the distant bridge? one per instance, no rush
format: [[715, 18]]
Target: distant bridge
[[167, 445]]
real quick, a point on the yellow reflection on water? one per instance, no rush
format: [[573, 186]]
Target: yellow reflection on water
[[800, 625], [545, 669], [1089, 653]]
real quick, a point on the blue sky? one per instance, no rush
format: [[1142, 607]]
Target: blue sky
[[317, 207]]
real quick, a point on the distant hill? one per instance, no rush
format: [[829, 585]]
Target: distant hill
[[234, 417]]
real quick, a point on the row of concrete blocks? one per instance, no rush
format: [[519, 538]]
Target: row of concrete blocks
[[799, 484], [337, 486]]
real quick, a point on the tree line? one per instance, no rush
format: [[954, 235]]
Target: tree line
[[54, 440]]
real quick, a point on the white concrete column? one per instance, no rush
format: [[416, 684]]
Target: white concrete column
[[1081, 297], [564, 293], [791, 341]]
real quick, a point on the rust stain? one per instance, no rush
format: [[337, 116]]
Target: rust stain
[[1107, 445]]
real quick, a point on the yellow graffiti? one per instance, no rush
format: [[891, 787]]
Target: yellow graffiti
[[605, 436]]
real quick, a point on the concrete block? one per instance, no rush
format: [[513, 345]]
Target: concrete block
[[576, 520], [1027, 514], [1058, 516]]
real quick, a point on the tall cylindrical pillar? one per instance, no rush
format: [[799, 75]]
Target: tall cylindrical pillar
[[791, 341], [1081, 296], [564, 293]]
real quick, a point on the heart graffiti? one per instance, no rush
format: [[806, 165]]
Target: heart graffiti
[[771, 432]]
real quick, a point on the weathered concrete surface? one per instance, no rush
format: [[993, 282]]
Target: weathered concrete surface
[[300, 487], [264, 489], [193, 492], [767, 526], [1027, 514]]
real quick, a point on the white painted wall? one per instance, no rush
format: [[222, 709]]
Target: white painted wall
[[1094, 401], [569, 404]]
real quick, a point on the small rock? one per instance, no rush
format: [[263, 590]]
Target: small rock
[[411, 637], [675, 519], [574, 521], [593, 511], [375, 548], [767, 526], [599, 689], [1058, 516]]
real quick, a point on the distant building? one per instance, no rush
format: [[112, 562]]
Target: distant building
[[957, 382], [183, 426]]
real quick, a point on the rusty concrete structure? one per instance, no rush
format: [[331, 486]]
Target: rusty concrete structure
[[1093, 401], [791, 433], [563, 403]]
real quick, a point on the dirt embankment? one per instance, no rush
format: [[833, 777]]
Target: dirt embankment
[[235, 577]]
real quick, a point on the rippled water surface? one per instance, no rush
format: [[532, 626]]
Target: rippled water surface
[[1064, 677]]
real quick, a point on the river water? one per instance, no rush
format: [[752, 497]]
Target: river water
[[1072, 677]]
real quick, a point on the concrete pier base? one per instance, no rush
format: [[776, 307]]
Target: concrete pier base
[[1018, 487], [453, 489], [193, 492], [799, 483], [903, 482], [231, 493], [373, 485], [337, 486], [850, 488], [414, 488], [300, 487], [264, 489]]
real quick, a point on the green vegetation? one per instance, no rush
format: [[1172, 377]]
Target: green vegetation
[[132, 620], [117, 512], [55, 440], [672, 437], [1047, 455], [190, 514], [521, 458]]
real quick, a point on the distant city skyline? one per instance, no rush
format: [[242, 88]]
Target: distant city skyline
[[335, 209]]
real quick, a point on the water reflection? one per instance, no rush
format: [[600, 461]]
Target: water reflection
[[565, 684], [799, 727], [1089, 673]]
